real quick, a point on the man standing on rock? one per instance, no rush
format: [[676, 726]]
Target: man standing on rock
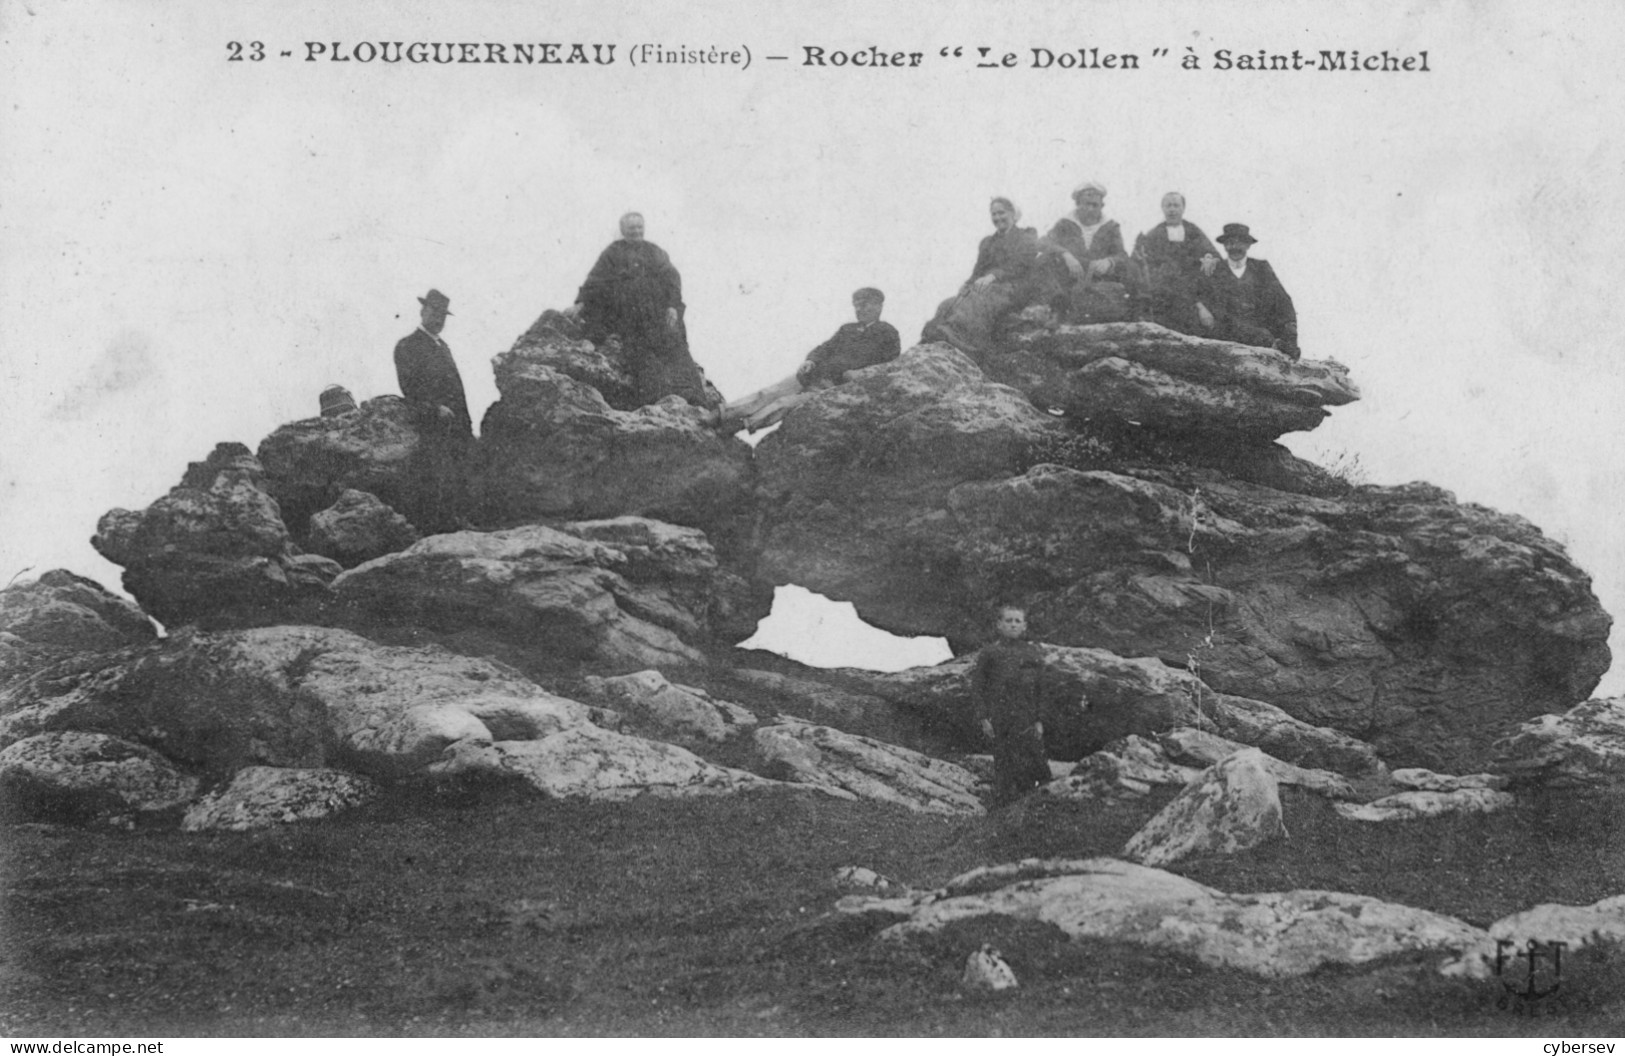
[[1005, 687], [432, 386], [865, 343], [428, 375], [1243, 301], [635, 292]]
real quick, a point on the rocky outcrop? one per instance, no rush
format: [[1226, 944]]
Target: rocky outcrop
[[61, 615], [1093, 697], [559, 342], [1191, 746], [358, 528], [1392, 614], [1128, 768], [261, 796], [625, 595], [861, 768], [311, 463], [295, 697], [90, 777], [1232, 806], [1273, 935], [1405, 806], [818, 702], [589, 762], [555, 448], [853, 487], [1170, 382], [1582, 748], [680, 714], [214, 550], [289, 721], [1576, 926]]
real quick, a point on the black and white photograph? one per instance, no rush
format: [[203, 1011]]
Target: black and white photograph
[[604, 519]]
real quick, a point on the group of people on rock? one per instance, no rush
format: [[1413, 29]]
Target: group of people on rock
[[1083, 271]]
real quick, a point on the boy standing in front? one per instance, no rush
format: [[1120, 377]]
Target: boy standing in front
[[1005, 688]]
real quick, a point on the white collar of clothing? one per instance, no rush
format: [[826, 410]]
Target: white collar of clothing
[[1237, 269], [1087, 229], [436, 338], [1176, 232]]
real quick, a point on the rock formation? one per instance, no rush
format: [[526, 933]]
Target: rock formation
[[60, 615], [1203, 589], [214, 548], [358, 528], [1273, 934], [1232, 806], [1169, 382], [552, 447], [1393, 614]]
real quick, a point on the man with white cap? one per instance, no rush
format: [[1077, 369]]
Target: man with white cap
[[1086, 261]]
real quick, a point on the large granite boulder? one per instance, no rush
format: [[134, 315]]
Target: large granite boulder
[[215, 549], [553, 448], [559, 341], [1271, 934], [1170, 382], [683, 715], [357, 528], [1582, 748], [261, 796], [853, 487], [624, 594], [1395, 614], [589, 762], [864, 768], [1599, 924], [1234, 805], [311, 463], [90, 777], [296, 697], [60, 615], [1092, 697]]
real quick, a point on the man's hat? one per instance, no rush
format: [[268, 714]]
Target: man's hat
[[868, 293], [436, 299], [336, 400], [1236, 233]]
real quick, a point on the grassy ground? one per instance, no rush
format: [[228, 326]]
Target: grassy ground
[[498, 913]]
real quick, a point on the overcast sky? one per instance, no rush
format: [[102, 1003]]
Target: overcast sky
[[193, 247]]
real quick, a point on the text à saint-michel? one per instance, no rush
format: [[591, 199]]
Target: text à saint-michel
[[822, 57]]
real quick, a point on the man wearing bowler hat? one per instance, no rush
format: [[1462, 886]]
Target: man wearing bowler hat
[[434, 390], [428, 375], [1243, 301]]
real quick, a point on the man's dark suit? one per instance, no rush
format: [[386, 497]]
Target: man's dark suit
[[1254, 309], [428, 375]]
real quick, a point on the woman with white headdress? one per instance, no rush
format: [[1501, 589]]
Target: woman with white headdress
[[1000, 282]]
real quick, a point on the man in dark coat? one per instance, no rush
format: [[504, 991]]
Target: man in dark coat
[[1243, 301], [1006, 689], [428, 375], [635, 292], [856, 345], [1173, 257], [1085, 262], [432, 386]]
